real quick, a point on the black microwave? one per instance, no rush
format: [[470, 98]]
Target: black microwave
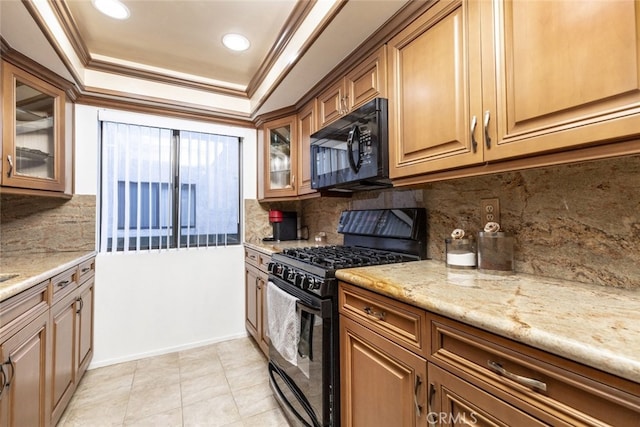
[[352, 153]]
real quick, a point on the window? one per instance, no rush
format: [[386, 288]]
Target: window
[[166, 188]]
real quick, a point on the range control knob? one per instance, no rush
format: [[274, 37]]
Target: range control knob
[[291, 276], [316, 284], [300, 280]]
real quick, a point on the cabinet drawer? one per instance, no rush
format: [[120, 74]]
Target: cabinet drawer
[[257, 259], [263, 262], [401, 323], [252, 257], [22, 306], [547, 386], [64, 283], [86, 270]]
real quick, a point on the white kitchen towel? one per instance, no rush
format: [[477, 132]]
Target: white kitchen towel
[[283, 322]]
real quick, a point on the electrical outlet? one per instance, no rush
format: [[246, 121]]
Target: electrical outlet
[[490, 211]]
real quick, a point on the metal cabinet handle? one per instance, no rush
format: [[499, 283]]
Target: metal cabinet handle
[[79, 310], [487, 138], [7, 382], [474, 143], [432, 393], [63, 284], [380, 315], [418, 382], [525, 381], [10, 160], [3, 383], [84, 270]]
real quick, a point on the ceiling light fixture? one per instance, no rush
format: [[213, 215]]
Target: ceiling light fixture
[[113, 8], [236, 42]]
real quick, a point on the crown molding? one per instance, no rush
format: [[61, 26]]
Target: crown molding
[[27, 64], [98, 97], [293, 23]]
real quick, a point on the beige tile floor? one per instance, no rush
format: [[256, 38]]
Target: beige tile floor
[[224, 384]]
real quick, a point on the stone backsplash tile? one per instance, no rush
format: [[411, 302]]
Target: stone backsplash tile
[[578, 222], [43, 224]]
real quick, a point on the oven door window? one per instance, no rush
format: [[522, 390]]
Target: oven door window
[[307, 373]]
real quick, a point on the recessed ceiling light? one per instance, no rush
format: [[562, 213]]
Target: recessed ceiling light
[[236, 42], [112, 8]]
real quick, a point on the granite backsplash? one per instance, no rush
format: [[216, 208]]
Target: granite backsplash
[[578, 222], [44, 224]]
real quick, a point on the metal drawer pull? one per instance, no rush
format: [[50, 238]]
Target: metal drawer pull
[[63, 283], [525, 381], [377, 314], [415, 396], [84, 270]]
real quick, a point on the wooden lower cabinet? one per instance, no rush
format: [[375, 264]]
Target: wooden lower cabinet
[[256, 278], [462, 375], [25, 361], [46, 344], [382, 383]]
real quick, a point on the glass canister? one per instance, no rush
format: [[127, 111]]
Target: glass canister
[[495, 251], [460, 250]]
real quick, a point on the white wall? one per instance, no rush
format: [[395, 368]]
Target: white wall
[[154, 302]]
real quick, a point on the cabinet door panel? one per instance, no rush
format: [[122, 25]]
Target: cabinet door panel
[[64, 332], [375, 370], [306, 126], [434, 87], [331, 104], [567, 74], [23, 402], [278, 161], [33, 134], [368, 80], [252, 301], [85, 325]]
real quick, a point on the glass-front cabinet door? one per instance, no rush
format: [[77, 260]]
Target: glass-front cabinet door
[[280, 157], [33, 132]]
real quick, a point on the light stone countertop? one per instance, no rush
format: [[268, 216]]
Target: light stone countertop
[[596, 325], [33, 268]]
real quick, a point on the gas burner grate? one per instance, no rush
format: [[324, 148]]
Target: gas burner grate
[[336, 257]]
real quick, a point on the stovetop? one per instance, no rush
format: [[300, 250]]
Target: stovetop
[[332, 258], [371, 237], [313, 268]]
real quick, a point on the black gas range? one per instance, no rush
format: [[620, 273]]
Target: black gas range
[[305, 379], [371, 237]]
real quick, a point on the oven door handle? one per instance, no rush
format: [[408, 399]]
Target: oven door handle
[[305, 307], [303, 401]]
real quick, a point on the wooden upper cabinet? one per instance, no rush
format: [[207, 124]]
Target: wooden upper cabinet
[[473, 82], [33, 135], [366, 81], [306, 126], [277, 161], [284, 155], [565, 74], [435, 91]]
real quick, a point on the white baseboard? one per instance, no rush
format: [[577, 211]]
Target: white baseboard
[[102, 363]]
